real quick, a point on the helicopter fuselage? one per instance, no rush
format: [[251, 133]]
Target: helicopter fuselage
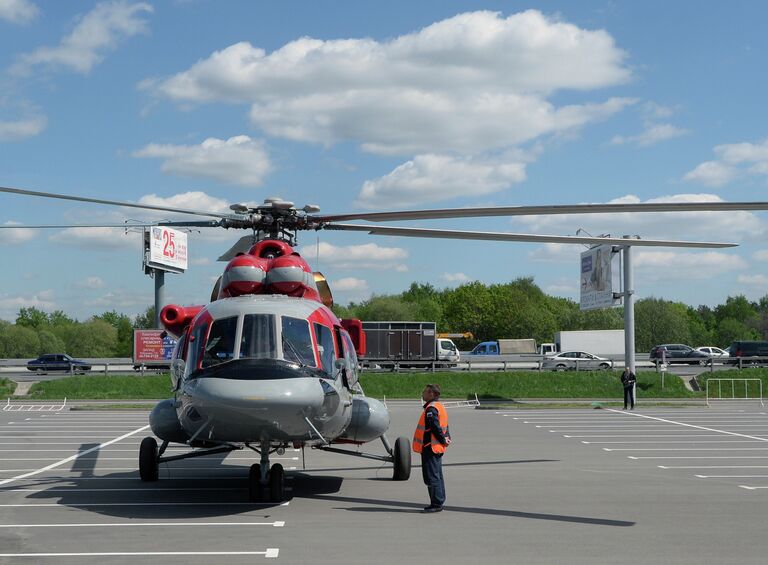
[[268, 370]]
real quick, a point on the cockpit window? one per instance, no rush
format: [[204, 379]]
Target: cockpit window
[[196, 346], [297, 343], [220, 346], [258, 339], [325, 346]]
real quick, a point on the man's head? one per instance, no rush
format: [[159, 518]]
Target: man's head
[[431, 392]]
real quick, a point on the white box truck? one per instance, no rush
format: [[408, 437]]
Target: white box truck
[[597, 342]]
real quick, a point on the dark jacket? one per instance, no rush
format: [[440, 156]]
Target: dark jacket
[[628, 378]]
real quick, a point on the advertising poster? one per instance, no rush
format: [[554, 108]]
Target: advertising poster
[[150, 346], [597, 284]]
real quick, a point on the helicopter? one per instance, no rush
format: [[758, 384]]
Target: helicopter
[[266, 364]]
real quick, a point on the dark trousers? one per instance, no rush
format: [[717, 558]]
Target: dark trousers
[[629, 396], [432, 472]]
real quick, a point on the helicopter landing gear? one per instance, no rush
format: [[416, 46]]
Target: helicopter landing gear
[[265, 482], [148, 460]]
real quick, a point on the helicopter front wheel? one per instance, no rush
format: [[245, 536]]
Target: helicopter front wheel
[[148, 460], [402, 459]]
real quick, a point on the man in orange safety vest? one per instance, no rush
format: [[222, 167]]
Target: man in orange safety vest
[[430, 439]]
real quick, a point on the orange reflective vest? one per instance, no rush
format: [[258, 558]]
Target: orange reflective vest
[[421, 428]]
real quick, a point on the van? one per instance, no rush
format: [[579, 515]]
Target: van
[[745, 350], [446, 350]]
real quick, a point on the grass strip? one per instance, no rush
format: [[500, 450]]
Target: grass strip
[[523, 384], [103, 387], [7, 387]]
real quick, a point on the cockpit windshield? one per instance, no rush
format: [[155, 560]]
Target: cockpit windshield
[[297, 342], [220, 346], [258, 338]]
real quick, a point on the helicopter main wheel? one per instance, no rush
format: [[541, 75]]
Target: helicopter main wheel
[[402, 459], [148, 465], [276, 483], [254, 483]]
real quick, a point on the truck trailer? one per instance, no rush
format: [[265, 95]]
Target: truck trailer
[[597, 342], [406, 344]]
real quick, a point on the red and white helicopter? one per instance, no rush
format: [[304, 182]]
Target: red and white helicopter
[[267, 365]]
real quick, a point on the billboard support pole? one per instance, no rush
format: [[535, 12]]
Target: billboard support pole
[[629, 308], [159, 276]]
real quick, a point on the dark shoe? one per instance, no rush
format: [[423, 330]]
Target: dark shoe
[[431, 509]]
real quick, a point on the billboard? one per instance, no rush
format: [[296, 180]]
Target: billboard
[[167, 249], [150, 347], [597, 278]]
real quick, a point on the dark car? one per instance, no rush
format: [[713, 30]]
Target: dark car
[[748, 353], [678, 353], [58, 362]]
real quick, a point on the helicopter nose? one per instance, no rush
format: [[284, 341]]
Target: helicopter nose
[[246, 410]]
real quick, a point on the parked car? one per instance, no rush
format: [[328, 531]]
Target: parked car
[[572, 360], [713, 351], [748, 352], [679, 353], [58, 362]]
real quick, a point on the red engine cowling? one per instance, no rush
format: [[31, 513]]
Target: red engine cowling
[[269, 267], [176, 318]]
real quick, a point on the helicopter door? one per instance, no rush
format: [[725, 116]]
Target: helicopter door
[[350, 357], [325, 347]]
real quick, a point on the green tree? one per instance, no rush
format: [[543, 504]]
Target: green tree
[[124, 328], [145, 321], [50, 343], [660, 321], [95, 338], [18, 342], [32, 318]]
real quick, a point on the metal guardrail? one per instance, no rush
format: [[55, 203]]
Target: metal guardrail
[[733, 396]]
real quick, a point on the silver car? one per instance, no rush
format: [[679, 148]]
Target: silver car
[[576, 360]]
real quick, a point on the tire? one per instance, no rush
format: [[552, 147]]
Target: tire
[[604, 366], [402, 459], [703, 362], [560, 367], [276, 483], [254, 483], [148, 465]]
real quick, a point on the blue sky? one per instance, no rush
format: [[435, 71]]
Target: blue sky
[[380, 106]]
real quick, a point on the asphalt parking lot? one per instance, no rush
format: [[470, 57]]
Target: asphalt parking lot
[[661, 485]]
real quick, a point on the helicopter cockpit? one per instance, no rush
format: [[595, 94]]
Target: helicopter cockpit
[[248, 345]]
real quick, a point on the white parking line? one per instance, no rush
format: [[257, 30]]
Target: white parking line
[[270, 553], [276, 524], [731, 476], [701, 457], [705, 428], [685, 449], [676, 441], [111, 504], [73, 457], [713, 467], [653, 435]]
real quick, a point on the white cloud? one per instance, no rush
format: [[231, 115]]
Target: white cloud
[[104, 239], [96, 33], [10, 305], [22, 129], [733, 161], [192, 200], [556, 253], [18, 11], [652, 134], [16, 235], [350, 284], [469, 83], [731, 226], [754, 280], [712, 173], [91, 283], [562, 288], [430, 178], [238, 160], [366, 256], [761, 255], [653, 266], [454, 277]]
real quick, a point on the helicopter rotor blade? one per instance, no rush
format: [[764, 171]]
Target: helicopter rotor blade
[[437, 214], [525, 237], [112, 202], [201, 224]]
